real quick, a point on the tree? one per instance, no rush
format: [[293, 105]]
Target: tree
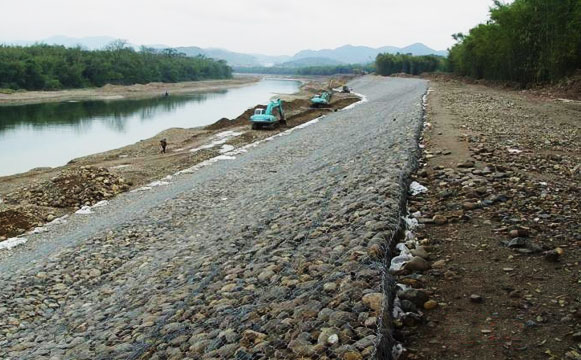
[[48, 67], [528, 41]]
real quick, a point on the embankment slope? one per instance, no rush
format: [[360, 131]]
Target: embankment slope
[[278, 253]]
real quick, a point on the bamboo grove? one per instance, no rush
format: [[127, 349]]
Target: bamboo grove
[[527, 41]]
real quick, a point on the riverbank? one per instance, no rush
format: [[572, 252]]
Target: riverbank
[[33, 198], [118, 92]]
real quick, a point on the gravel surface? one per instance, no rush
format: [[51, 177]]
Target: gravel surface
[[278, 253], [501, 226]]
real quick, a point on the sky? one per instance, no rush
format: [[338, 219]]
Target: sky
[[270, 27]]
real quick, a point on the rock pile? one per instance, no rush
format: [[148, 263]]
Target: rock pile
[[76, 187], [70, 189]]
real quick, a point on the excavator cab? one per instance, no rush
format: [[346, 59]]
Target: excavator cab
[[322, 99], [268, 117]]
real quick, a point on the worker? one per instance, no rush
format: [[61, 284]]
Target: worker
[[163, 145]]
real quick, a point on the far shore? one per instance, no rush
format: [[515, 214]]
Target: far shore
[[119, 92]]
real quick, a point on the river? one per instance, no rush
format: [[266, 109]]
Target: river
[[51, 134]]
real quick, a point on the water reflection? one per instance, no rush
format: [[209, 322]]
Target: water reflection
[[51, 134], [76, 114]]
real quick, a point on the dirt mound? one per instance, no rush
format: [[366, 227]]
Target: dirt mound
[[14, 222], [240, 120], [313, 87], [402, 75], [75, 187], [296, 105], [70, 189], [568, 88], [244, 119], [343, 102]]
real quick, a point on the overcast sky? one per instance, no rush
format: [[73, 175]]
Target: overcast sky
[[271, 27]]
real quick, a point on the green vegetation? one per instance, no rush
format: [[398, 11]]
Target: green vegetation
[[308, 70], [528, 41], [46, 67], [387, 64]]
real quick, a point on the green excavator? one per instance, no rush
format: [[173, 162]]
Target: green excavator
[[322, 99], [266, 117]]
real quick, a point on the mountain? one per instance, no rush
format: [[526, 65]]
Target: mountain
[[231, 57], [191, 50], [421, 49], [363, 54], [347, 54], [270, 60], [389, 49], [310, 61]]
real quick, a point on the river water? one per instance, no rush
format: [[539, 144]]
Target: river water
[[51, 134]]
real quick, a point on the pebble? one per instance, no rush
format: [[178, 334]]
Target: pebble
[[374, 301], [430, 304], [470, 205], [554, 255], [476, 298], [352, 355], [330, 287], [417, 264], [420, 251], [466, 164], [439, 264], [417, 296], [439, 219], [333, 339]]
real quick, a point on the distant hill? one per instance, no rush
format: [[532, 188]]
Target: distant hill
[[420, 49], [232, 58], [347, 54], [363, 54], [269, 60], [310, 61]]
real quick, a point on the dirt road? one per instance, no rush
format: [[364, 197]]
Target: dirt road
[[502, 231], [274, 251]]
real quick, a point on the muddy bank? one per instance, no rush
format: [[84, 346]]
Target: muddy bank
[[118, 92], [33, 198]]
